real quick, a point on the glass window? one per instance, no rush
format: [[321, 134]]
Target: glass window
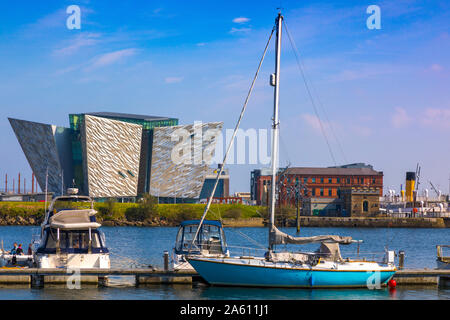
[[330, 192], [348, 180], [321, 180], [305, 180], [330, 180], [313, 180], [321, 191], [365, 206], [313, 191], [338, 180]]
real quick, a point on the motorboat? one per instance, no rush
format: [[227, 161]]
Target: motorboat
[[70, 235], [11, 259], [210, 242]]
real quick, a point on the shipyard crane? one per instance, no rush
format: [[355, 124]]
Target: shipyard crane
[[417, 176], [434, 188]]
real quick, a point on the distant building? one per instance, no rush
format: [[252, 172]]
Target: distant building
[[318, 182], [361, 201], [116, 155], [330, 207], [27, 197], [223, 186]]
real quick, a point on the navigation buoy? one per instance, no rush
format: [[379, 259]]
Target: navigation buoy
[[392, 283]]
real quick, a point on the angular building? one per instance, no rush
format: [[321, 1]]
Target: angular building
[[118, 155]]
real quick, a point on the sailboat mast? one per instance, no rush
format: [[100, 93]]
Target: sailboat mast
[[276, 123]]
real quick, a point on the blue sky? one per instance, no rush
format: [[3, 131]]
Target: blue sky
[[384, 94]]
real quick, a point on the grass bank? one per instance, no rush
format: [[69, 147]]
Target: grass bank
[[114, 213]]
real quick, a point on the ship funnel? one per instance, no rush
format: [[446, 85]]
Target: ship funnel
[[410, 185]]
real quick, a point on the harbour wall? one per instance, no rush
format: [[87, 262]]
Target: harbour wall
[[349, 222]]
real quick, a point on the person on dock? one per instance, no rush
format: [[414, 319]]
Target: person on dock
[[14, 250], [30, 250], [19, 250]]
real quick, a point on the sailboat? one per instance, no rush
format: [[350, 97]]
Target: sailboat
[[323, 268]]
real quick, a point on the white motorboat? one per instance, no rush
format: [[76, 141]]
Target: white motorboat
[[70, 237], [7, 259]]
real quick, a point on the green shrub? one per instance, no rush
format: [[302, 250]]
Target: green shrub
[[108, 210], [185, 212], [233, 213], [135, 214], [146, 209]]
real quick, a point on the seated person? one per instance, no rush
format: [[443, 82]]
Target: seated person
[[14, 250], [19, 250]]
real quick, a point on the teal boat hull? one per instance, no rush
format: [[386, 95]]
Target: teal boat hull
[[229, 274]]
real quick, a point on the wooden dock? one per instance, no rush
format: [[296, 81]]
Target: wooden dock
[[39, 277]]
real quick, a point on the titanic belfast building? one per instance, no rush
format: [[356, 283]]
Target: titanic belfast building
[[116, 155]]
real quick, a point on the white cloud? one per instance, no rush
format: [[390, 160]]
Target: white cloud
[[436, 67], [112, 57], [241, 20], [80, 41], [436, 118], [314, 122], [173, 79], [239, 30], [400, 118]]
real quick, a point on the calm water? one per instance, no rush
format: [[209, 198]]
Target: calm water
[[140, 247]]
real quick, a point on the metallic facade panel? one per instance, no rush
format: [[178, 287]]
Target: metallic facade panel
[[183, 179], [39, 146], [111, 152]]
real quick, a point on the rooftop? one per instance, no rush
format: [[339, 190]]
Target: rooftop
[[365, 171], [126, 116]]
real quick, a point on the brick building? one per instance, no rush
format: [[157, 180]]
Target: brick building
[[318, 182], [360, 201]]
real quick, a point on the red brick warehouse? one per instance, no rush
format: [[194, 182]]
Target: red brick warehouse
[[319, 182]]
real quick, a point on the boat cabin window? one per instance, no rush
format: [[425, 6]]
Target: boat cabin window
[[76, 241]]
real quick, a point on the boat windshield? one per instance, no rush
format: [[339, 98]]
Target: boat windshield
[[72, 240], [210, 238]]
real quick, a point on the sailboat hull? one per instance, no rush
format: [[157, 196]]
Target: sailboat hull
[[260, 274]]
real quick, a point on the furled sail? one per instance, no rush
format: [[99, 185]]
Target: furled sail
[[278, 237]]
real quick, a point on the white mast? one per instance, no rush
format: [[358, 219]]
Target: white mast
[[276, 123]]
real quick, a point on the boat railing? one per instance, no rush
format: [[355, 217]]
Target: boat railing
[[248, 251], [440, 252]]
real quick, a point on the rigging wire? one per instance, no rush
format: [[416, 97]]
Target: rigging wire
[[294, 48], [237, 231]]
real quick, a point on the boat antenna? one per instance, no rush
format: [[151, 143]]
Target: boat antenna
[[219, 172], [276, 123]]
